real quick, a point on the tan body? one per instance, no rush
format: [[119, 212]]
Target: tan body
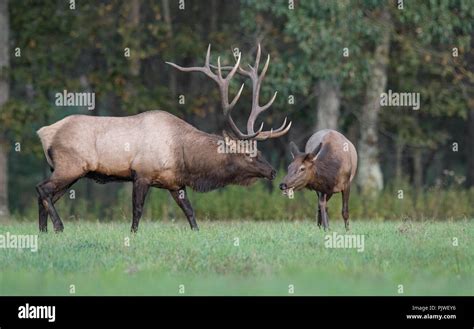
[[151, 143], [327, 166]]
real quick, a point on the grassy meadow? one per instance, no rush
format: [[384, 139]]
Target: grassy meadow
[[240, 258]]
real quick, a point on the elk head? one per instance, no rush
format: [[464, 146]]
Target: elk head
[[246, 159], [301, 170]]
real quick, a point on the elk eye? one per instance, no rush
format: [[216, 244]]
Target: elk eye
[[302, 168]]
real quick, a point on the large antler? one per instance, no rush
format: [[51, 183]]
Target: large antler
[[252, 73], [223, 84]]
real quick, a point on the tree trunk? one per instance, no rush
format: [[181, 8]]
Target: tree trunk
[[4, 94], [369, 173], [134, 22], [328, 104], [214, 13], [399, 146], [470, 146], [169, 24], [417, 169], [469, 95]]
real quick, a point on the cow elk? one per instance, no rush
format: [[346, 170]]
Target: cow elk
[[327, 166], [155, 149]]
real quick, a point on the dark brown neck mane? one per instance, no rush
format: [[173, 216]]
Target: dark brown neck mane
[[204, 169]]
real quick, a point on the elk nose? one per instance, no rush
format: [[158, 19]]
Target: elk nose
[[283, 186], [273, 174]]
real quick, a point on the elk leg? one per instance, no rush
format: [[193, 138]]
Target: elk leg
[[345, 207], [319, 210], [43, 208], [319, 217], [328, 196], [60, 193], [47, 190], [140, 190], [42, 216], [320, 196], [322, 207], [182, 200]]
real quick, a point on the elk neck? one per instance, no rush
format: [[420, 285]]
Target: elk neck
[[326, 171], [203, 167]]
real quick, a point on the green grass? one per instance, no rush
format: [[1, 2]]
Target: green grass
[[271, 256]]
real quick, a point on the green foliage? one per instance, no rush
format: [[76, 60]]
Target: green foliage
[[259, 203]]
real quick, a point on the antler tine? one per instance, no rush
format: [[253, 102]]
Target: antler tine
[[208, 56], [236, 98], [274, 133], [206, 69], [186, 69], [265, 68], [270, 102], [257, 58], [235, 68]]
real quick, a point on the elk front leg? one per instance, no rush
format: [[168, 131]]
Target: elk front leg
[[183, 202], [323, 210], [140, 190], [328, 196], [345, 206]]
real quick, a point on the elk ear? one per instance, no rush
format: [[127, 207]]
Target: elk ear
[[314, 155], [294, 150]]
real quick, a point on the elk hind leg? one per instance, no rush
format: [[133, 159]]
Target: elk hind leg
[[345, 207], [42, 216], [47, 191]]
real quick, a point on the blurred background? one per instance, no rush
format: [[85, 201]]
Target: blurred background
[[330, 62]]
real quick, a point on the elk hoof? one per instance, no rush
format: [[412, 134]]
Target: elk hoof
[[58, 229]]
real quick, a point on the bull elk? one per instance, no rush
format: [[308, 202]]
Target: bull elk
[[155, 149], [327, 166]]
